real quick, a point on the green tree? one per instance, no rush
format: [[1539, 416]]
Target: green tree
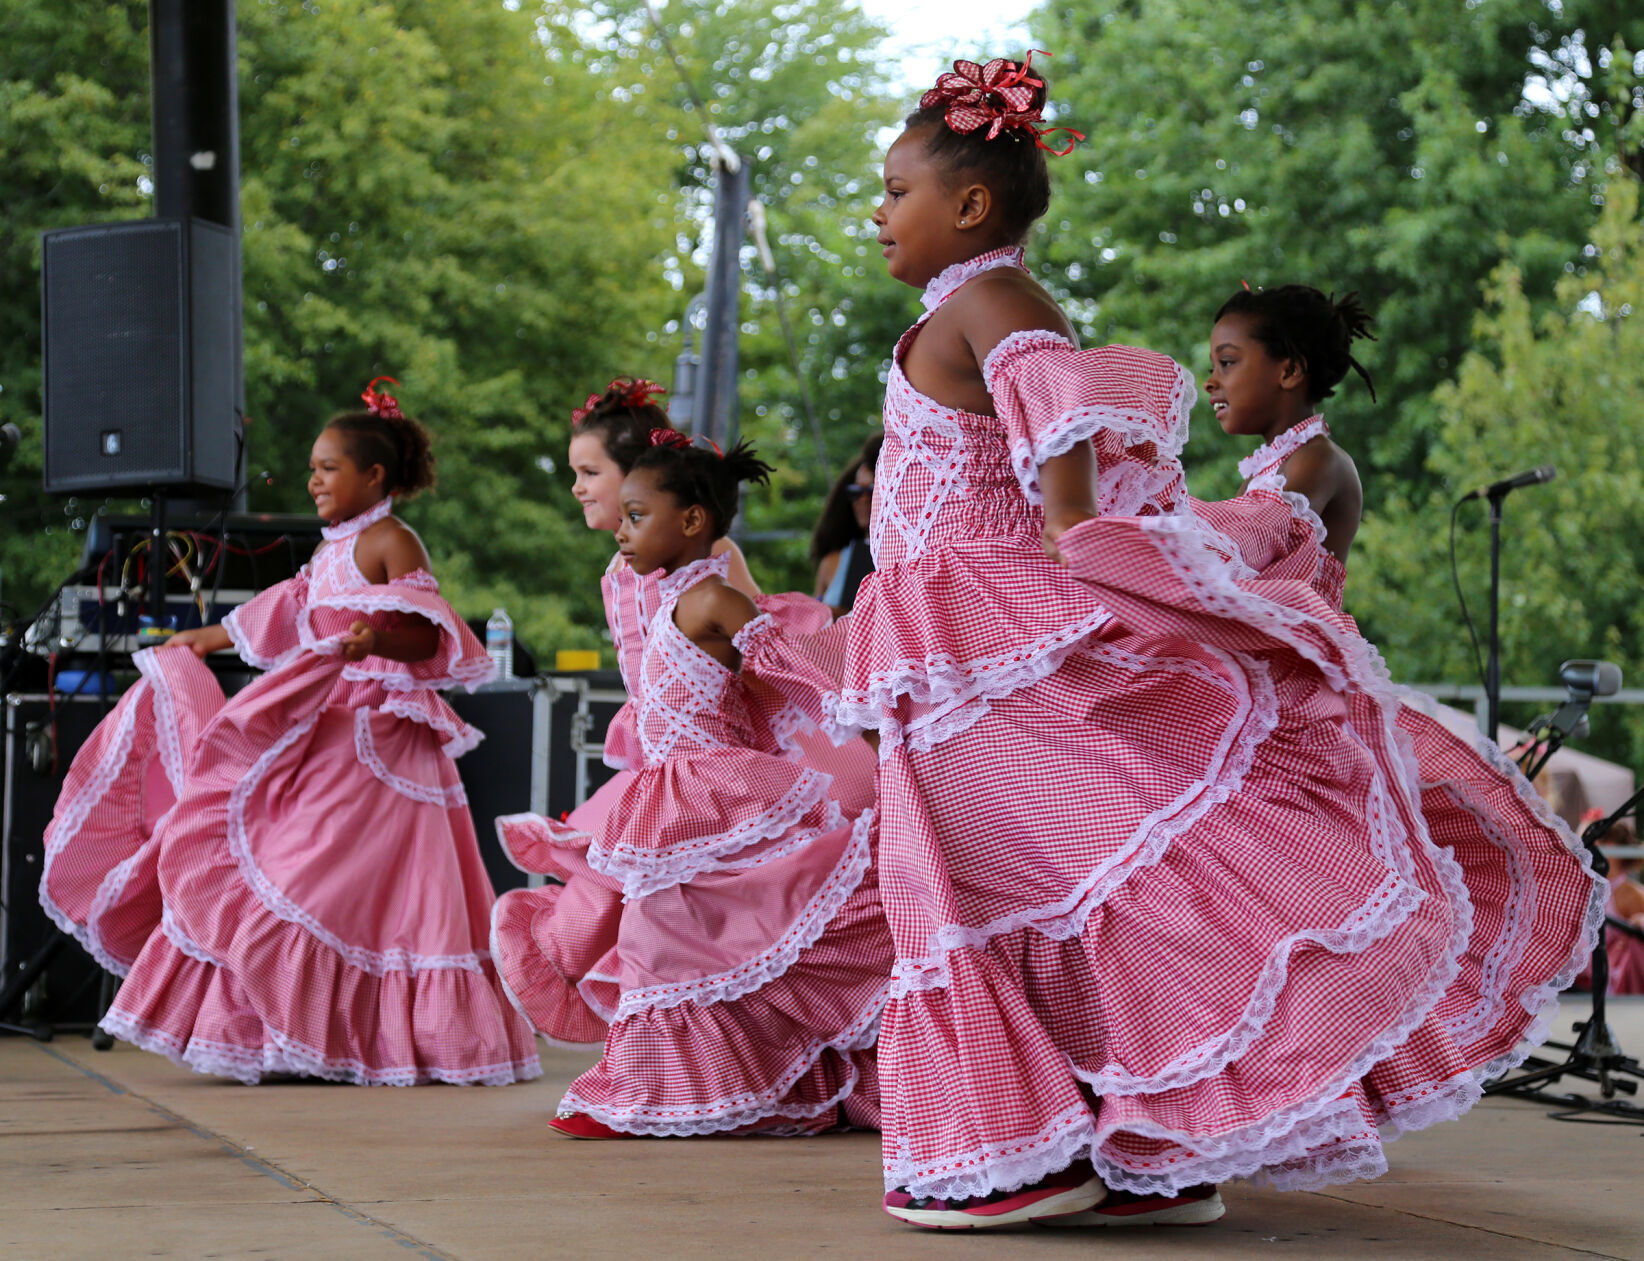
[[1383, 147], [797, 89], [428, 192], [1564, 386]]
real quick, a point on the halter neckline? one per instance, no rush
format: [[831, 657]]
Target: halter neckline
[[948, 280], [674, 584], [1268, 456], [384, 507]]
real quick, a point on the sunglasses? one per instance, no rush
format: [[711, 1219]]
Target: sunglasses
[[856, 490]]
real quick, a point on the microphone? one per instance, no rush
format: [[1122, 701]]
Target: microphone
[[10, 436], [1495, 490], [1590, 678]]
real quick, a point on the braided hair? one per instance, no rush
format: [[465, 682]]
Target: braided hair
[[622, 426], [702, 476], [402, 445], [1301, 323], [1012, 164]]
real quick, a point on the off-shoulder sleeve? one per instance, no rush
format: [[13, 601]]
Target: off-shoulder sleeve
[[264, 628], [459, 661], [1131, 404], [804, 670]]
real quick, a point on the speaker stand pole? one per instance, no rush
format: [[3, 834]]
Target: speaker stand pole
[[159, 559]]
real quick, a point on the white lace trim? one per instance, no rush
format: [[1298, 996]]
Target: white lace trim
[[365, 752], [283, 1055], [167, 724], [460, 737], [738, 1111], [1254, 719], [587, 987], [773, 962], [242, 645], [274, 900], [679, 581], [948, 685], [1519, 915], [467, 673], [1268, 457], [947, 281], [644, 870], [71, 817], [1136, 428], [351, 526]]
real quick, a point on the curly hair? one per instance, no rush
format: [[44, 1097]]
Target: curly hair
[[623, 429], [1012, 164], [403, 447], [1300, 322], [702, 476], [837, 524]]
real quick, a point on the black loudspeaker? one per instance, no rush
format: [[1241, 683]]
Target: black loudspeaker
[[40, 742], [140, 337]]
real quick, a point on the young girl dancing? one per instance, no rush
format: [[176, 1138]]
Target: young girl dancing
[[1159, 905], [752, 953], [289, 880], [555, 946]]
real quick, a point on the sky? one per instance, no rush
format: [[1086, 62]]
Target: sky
[[929, 34]]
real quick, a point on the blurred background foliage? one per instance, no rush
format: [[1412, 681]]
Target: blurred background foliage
[[504, 204]]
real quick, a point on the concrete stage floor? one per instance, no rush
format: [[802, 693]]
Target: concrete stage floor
[[123, 1155]]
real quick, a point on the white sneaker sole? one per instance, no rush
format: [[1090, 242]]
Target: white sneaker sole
[[1193, 1213], [1074, 1201]]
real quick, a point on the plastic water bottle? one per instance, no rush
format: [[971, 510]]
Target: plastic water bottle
[[499, 642]]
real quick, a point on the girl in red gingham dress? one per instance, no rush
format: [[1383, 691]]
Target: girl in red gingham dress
[[752, 956], [1164, 901], [556, 946], [288, 879]]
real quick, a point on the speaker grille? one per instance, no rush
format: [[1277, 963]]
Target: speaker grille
[[129, 312]]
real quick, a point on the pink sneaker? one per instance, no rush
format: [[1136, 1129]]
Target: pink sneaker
[[1069, 1191], [1193, 1206]]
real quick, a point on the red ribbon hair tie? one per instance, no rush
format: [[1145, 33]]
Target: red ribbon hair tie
[[670, 438], [997, 96], [381, 403], [624, 391]]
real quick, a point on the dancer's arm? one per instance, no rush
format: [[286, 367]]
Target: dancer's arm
[[385, 552], [710, 614], [202, 639]]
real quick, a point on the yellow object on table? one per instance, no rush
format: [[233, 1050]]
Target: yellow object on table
[[576, 659]]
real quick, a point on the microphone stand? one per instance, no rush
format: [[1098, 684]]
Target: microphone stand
[[1596, 1056], [1492, 668]]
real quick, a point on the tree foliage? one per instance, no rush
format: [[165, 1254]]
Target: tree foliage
[[1564, 386]]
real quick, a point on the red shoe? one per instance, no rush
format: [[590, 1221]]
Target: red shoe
[[1067, 1192], [578, 1125], [1194, 1206]]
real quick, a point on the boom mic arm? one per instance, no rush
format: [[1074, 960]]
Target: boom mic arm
[[1495, 490]]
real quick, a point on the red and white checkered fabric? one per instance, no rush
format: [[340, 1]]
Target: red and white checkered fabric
[[312, 900], [753, 957], [1180, 861]]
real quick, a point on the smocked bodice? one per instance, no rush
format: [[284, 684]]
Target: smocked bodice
[[630, 604], [687, 702], [943, 474], [1263, 470]]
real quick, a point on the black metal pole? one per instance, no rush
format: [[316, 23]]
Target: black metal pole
[[1492, 668], [194, 82], [716, 415]]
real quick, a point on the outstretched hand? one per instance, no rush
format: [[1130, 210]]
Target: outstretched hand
[[202, 640]]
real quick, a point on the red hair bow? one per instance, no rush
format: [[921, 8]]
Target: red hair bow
[[382, 404], [996, 96], [670, 438], [626, 391]]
